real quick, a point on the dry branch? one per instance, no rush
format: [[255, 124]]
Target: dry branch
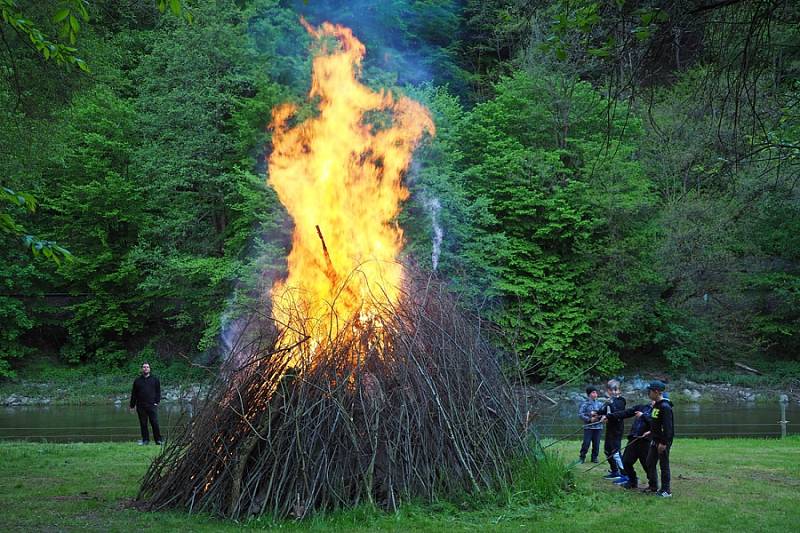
[[410, 404]]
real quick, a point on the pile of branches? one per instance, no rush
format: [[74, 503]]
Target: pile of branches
[[410, 404]]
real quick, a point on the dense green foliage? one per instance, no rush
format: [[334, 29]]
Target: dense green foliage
[[605, 193]]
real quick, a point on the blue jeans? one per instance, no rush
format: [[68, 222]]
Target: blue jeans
[[591, 436]]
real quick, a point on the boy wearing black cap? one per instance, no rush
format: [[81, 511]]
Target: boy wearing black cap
[[662, 431], [591, 425]]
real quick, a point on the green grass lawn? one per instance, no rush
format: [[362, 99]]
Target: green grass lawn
[[741, 484]]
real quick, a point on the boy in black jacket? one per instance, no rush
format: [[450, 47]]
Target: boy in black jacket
[[662, 431], [638, 446], [615, 427]]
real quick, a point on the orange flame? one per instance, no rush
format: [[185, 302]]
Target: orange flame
[[339, 177]]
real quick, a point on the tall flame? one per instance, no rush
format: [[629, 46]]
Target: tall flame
[[339, 177]]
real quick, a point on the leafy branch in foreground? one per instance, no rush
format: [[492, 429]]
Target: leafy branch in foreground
[[68, 18], [49, 49], [48, 249]]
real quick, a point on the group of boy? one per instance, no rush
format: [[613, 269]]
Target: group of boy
[[649, 440]]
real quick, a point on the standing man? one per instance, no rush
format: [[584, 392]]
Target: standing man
[[662, 431], [145, 397]]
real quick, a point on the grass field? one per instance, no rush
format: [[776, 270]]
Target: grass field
[[718, 485]]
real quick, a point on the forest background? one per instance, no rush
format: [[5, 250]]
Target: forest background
[[615, 182]]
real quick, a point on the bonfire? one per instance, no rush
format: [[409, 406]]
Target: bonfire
[[364, 380]]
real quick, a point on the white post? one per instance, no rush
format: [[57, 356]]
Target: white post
[[783, 422]]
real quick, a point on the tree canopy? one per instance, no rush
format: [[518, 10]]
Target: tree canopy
[[611, 182]]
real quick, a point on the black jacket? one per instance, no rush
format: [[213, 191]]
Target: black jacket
[[615, 425], [641, 425], [146, 391], [662, 422]]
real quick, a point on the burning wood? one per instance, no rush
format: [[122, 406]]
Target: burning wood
[[338, 172], [410, 404], [372, 387], [328, 263]]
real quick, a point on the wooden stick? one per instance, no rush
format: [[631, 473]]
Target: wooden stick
[[748, 368]]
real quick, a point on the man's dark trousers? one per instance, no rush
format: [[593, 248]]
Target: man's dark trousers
[[591, 436], [150, 412], [637, 451], [662, 459]]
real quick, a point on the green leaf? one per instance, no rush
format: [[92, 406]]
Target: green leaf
[[7, 224], [83, 11], [60, 15], [175, 6], [641, 33], [599, 52], [82, 65]]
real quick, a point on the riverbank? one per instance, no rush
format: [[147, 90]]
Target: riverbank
[[96, 391], [114, 389], [716, 487], [52, 385], [683, 390], [47, 383]]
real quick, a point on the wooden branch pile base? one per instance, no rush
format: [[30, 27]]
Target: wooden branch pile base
[[411, 404]]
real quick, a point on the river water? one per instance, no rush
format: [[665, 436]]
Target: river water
[[96, 423], [708, 420]]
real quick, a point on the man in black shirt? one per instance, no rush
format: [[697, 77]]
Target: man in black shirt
[[145, 397]]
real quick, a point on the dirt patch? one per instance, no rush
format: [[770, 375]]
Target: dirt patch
[[131, 503], [74, 497], [774, 478]]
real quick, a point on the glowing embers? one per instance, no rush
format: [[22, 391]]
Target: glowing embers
[[339, 176]]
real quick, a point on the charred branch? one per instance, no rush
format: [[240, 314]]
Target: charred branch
[[411, 404]]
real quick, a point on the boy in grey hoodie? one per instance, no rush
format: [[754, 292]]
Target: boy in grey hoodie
[[588, 413]]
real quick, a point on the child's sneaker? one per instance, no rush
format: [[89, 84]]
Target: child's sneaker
[[650, 490], [629, 486], [595, 460], [664, 494], [622, 480], [612, 475], [582, 460]]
